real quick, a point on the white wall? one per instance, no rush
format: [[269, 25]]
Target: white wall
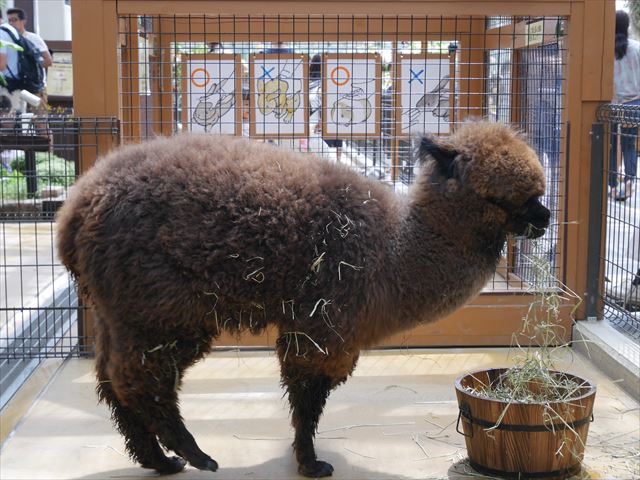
[[53, 19]]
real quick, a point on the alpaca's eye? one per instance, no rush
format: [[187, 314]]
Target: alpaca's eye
[[502, 203]]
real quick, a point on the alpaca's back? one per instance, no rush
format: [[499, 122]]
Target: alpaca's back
[[185, 223]]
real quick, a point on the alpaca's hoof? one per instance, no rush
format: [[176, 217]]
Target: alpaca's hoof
[[211, 464], [316, 470], [168, 466], [205, 464]]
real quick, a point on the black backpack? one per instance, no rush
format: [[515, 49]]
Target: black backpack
[[30, 75]]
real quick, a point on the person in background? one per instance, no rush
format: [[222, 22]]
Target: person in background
[[626, 91], [280, 47], [245, 112], [8, 66], [18, 19], [216, 47]]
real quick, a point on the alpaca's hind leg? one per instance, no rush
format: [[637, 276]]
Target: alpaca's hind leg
[[309, 378], [307, 397], [149, 389], [140, 443]]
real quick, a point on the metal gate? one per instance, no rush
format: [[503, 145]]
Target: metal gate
[[618, 149], [40, 159]]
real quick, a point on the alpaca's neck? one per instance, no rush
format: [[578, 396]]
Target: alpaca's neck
[[444, 254]]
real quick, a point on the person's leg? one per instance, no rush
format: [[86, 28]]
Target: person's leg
[[338, 150], [613, 158], [628, 142], [629, 147], [18, 104]]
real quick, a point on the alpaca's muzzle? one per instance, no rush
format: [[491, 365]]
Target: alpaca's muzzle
[[531, 220]]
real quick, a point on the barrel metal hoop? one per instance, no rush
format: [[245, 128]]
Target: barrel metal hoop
[[465, 413]]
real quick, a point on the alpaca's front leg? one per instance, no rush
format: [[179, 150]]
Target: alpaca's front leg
[[307, 397]]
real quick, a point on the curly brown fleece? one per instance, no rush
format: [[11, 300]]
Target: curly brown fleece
[[180, 238]]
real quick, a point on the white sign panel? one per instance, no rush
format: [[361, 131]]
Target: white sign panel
[[212, 96], [279, 95], [351, 96], [424, 94]]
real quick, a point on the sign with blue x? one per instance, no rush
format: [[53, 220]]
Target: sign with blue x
[[266, 73], [424, 95], [416, 76]]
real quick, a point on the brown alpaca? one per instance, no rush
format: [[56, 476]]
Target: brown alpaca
[[181, 238]]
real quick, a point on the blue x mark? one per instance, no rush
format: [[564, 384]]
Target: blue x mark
[[415, 76], [266, 73]]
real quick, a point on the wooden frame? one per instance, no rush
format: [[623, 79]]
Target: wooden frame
[[350, 104], [359, 8], [426, 93], [588, 82], [275, 111], [207, 89]]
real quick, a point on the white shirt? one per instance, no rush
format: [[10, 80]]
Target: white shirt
[[11, 29], [626, 75], [12, 54], [36, 40]]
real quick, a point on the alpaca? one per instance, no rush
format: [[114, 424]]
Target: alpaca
[[175, 240]]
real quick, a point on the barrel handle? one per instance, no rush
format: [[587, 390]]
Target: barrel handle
[[464, 413]]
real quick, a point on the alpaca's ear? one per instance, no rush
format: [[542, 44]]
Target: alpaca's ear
[[444, 155]]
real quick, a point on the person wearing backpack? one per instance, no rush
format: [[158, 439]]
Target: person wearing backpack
[[33, 60], [8, 63]]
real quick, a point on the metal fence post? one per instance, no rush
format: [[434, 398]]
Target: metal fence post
[[596, 195]]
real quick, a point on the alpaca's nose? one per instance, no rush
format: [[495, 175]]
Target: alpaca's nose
[[545, 215], [538, 222]]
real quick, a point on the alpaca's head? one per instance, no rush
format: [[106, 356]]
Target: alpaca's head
[[493, 164]]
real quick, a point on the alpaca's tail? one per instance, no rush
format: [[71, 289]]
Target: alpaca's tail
[[104, 388], [69, 222]]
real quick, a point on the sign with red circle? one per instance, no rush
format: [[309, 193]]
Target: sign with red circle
[[340, 76], [200, 77]]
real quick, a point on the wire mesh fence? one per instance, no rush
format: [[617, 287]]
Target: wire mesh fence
[[40, 159], [621, 217], [355, 89]]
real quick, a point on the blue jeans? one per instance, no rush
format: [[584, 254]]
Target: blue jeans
[[628, 144]]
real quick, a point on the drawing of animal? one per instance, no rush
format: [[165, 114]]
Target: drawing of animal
[[274, 97], [178, 239], [352, 108], [435, 102], [213, 105]]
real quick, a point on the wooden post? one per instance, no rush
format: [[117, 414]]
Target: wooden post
[[130, 79], [163, 114], [472, 72], [96, 94], [590, 76]]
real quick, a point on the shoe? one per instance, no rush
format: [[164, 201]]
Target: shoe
[[625, 191], [613, 193]]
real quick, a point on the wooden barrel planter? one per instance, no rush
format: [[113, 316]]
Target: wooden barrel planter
[[528, 441]]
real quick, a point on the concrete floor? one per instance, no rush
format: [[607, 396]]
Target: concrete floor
[[394, 419]]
